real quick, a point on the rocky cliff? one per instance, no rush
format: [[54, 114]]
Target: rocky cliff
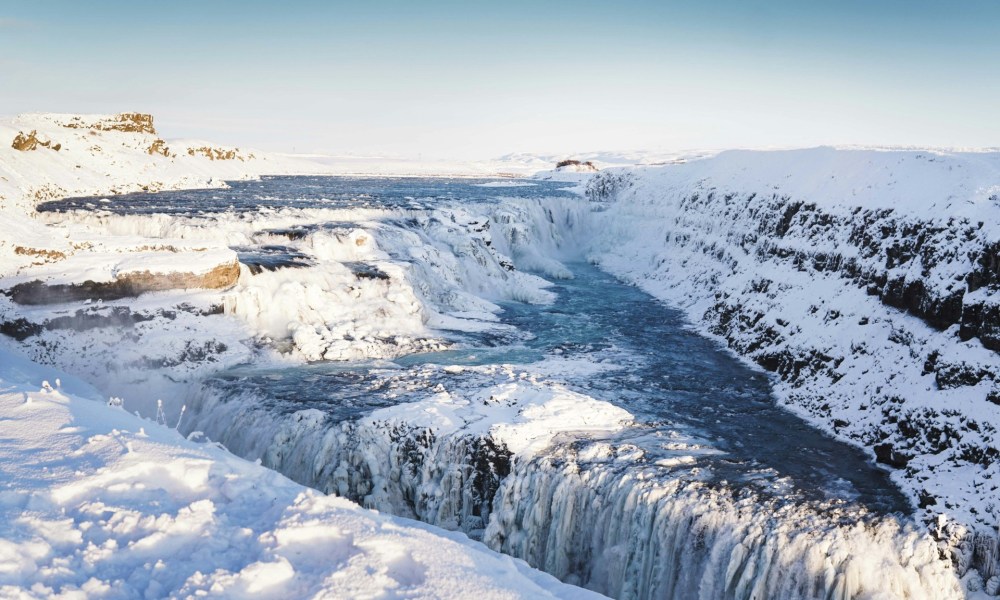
[[865, 281]]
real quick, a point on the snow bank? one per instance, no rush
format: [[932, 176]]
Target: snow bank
[[98, 503]]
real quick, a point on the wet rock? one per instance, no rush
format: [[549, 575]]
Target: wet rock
[[272, 258], [192, 353], [85, 319], [366, 271], [20, 329], [292, 233]]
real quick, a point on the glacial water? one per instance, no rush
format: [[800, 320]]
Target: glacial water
[[410, 193], [713, 492], [673, 378]]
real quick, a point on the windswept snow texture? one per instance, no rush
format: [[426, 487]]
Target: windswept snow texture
[[98, 503], [623, 452]]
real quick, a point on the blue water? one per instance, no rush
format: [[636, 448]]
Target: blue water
[[671, 378], [413, 193]]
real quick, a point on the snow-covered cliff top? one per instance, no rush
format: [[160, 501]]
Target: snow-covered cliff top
[[925, 183]]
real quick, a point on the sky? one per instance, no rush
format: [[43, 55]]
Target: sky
[[470, 79]]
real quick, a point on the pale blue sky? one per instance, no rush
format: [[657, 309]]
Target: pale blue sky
[[479, 79]]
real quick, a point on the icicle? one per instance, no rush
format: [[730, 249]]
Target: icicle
[[180, 418]]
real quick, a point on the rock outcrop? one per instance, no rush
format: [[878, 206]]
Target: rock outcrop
[[213, 153], [123, 286], [576, 166], [31, 141], [125, 122], [159, 147]]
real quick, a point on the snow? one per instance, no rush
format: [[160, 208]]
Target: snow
[[96, 502], [523, 164]]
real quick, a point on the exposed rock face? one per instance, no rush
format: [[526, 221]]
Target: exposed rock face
[[29, 142], [578, 166], [126, 122], [45, 254], [218, 153], [159, 147], [124, 286]]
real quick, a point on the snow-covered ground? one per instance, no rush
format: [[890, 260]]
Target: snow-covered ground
[[98, 503], [521, 164]]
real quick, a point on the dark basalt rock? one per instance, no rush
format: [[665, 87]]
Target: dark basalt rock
[[363, 270], [887, 455], [291, 233], [192, 353], [20, 329], [948, 376], [85, 319], [94, 317], [491, 463], [895, 255], [925, 499]]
